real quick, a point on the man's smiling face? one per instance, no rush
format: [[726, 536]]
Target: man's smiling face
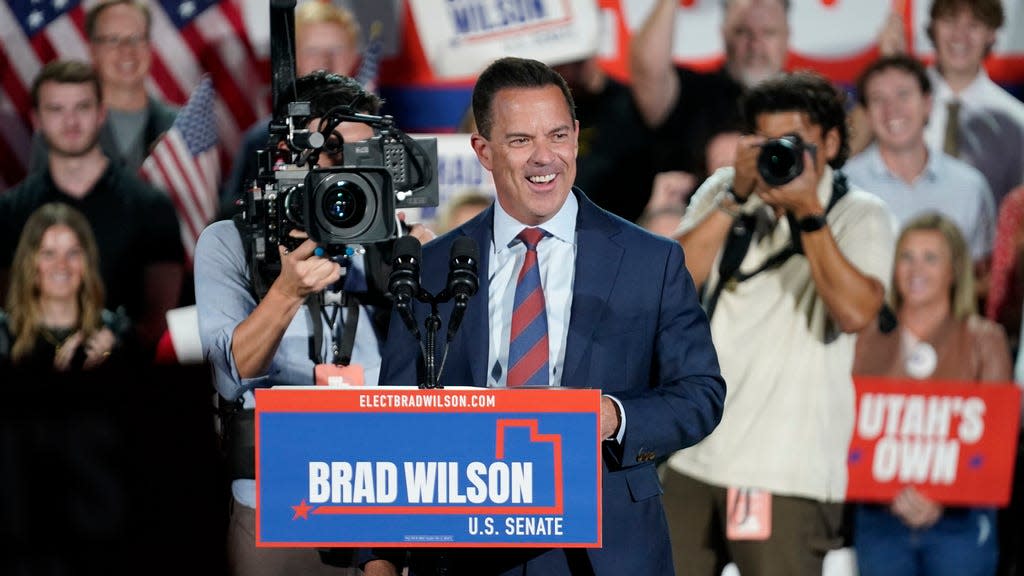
[[531, 151]]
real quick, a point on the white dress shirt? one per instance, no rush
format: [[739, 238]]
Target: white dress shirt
[[991, 129], [556, 256]]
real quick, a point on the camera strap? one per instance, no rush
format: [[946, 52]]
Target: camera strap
[[343, 331], [737, 243]]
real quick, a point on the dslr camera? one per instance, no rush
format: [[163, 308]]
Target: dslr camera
[[781, 160]]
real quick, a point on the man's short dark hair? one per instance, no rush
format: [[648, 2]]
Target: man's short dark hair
[[94, 13], [324, 91], [806, 92], [989, 12], [65, 72], [512, 72], [901, 62]]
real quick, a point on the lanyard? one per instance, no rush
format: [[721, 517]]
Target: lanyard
[[343, 331]]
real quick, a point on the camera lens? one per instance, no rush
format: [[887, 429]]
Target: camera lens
[[344, 204], [781, 160], [294, 200]]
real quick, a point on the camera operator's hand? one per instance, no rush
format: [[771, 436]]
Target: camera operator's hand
[[417, 230], [303, 273], [256, 339], [747, 179], [800, 196]]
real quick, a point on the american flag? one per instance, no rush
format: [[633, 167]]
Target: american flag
[[185, 164], [189, 38]]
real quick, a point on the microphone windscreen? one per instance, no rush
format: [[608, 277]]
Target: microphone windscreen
[[465, 247], [407, 246]]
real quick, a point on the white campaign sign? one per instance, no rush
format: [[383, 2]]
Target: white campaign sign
[[461, 37]]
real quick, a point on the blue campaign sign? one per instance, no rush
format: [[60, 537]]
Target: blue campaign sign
[[409, 467]]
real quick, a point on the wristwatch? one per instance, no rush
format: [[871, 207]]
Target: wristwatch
[[812, 223], [731, 194]]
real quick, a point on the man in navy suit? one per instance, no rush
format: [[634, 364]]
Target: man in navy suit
[[617, 311]]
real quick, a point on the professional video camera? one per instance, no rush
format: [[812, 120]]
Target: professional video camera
[[781, 160], [341, 206], [353, 203]]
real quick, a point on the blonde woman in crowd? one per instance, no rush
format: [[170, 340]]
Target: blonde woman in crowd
[[939, 336], [54, 310]]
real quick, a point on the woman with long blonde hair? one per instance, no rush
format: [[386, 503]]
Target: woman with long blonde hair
[[939, 336], [54, 309]]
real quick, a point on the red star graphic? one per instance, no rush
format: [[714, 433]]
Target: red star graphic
[[302, 511]]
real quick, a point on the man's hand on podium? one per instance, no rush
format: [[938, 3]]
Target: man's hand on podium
[[610, 418], [380, 568]]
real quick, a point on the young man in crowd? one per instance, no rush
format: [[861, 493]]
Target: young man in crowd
[[972, 118], [118, 33], [899, 167], [804, 259], [136, 227]]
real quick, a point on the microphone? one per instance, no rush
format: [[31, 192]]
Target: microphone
[[404, 281], [463, 279]]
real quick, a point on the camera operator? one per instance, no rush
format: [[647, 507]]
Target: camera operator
[[793, 262], [254, 344]]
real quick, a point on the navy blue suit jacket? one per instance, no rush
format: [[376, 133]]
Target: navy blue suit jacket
[[637, 332]]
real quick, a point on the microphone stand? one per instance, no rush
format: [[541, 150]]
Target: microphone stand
[[432, 323]]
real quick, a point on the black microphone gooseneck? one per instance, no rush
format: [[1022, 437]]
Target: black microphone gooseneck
[[404, 281], [463, 279], [404, 285]]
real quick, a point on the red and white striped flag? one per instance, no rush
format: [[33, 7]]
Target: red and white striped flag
[[185, 164], [189, 38], [369, 66]]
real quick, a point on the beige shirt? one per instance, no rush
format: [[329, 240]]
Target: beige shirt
[[789, 408]]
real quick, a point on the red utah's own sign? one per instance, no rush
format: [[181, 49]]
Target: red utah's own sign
[[955, 442]]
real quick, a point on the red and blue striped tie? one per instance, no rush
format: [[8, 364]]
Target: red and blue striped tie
[[528, 340]]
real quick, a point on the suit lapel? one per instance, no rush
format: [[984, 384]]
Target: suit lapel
[[597, 265]]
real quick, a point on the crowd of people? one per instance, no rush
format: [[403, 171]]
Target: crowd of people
[[723, 309]]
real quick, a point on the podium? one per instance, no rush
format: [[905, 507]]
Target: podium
[[405, 467]]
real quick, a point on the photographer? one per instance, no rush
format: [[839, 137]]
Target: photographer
[[793, 262], [261, 343]]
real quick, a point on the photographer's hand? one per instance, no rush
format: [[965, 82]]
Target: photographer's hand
[[255, 340], [747, 180], [800, 196], [851, 297]]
